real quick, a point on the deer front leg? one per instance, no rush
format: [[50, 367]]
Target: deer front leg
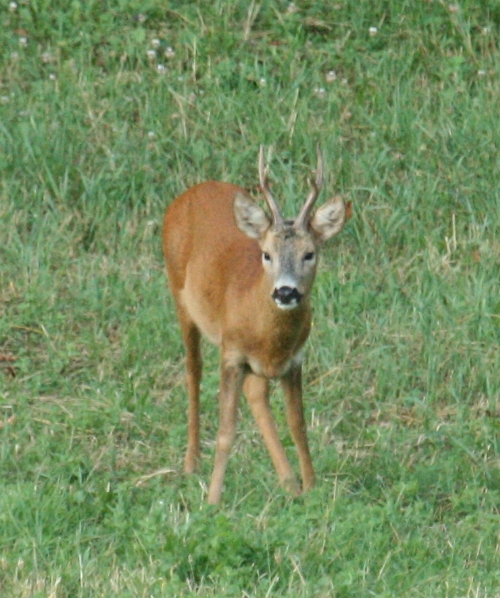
[[256, 390], [230, 389], [292, 388]]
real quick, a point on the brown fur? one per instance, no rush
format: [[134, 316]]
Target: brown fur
[[221, 290]]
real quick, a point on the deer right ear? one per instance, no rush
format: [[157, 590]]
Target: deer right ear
[[329, 219], [250, 218]]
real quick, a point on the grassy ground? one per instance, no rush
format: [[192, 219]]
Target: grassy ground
[[402, 384]]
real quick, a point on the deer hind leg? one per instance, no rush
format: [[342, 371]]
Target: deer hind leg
[[229, 393], [292, 388], [192, 338], [256, 390]]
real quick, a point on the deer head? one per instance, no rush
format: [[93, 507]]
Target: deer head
[[289, 247]]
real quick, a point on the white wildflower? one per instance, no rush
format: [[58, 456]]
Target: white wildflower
[[331, 76]]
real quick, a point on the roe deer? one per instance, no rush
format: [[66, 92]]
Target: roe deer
[[243, 279]]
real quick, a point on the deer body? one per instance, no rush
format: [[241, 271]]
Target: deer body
[[220, 288], [243, 280]]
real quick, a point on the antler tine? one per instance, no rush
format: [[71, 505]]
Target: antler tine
[[316, 186], [271, 202], [319, 168]]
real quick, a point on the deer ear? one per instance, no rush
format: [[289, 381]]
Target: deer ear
[[329, 218], [250, 218]]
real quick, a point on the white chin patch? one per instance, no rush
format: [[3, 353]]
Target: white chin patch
[[287, 306]]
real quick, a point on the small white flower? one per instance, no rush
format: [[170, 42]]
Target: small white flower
[[151, 134], [481, 73], [291, 8], [485, 30], [12, 6], [262, 82], [373, 31], [169, 52], [155, 43], [52, 76], [162, 69], [453, 8], [23, 41], [46, 57], [331, 76], [320, 92], [14, 56], [151, 54]]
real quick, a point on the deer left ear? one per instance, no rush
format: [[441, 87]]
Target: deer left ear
[[329, 219], [250, 218]]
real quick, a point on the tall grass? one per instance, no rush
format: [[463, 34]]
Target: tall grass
[[401, 381]]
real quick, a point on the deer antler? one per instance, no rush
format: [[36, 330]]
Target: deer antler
[[271, 202], [316, 186]]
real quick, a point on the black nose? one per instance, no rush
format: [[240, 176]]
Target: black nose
[[286, 295]]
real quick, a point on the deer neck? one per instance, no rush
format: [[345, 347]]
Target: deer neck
[[280, 334]]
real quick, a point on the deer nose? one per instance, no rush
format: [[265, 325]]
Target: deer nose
[[286, 296]]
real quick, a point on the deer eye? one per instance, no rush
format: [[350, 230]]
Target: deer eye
[[309, 256], [266, 257]]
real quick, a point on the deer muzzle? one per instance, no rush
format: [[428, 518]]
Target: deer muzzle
[[286, 297]]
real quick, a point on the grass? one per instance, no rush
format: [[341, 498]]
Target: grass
[[401, 381]]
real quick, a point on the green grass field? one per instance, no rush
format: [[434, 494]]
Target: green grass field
[[108, 110]]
